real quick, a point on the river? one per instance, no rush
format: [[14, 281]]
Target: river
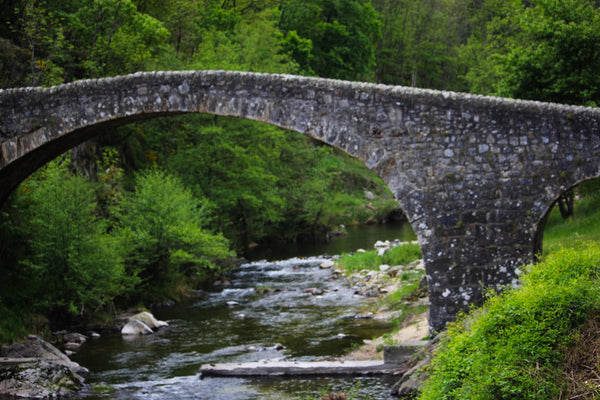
[[266, 304]]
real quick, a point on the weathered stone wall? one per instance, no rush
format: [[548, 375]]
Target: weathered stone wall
[[475, 175]]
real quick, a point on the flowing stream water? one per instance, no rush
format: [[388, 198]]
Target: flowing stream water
[[268, 303]]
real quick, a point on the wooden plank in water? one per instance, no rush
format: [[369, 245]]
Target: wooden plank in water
[[296, 368]]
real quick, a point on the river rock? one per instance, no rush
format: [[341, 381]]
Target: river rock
[[37, 348], [74, 337], [149, 320], [327, 264], [43, 379], [72, 346], [314, 291], [409, 386], [379, 244], [395, 270], [135, 327], [36, 369], [370, 195]]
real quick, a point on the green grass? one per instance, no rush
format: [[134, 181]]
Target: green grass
[[403, 291], [585, 226], [371, 261]]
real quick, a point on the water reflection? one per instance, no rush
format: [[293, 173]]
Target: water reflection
[[357, 237]]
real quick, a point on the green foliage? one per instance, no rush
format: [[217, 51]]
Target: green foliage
[[490, 25], [512, 347], [221, 49], [419, 43], [13, 324], [235, 170], [82, 39], [265, 182], [369, 260], [162, 228], [556, 54], [404, 291], [109, 37], [73, 265], [343, 34], [543, 50]]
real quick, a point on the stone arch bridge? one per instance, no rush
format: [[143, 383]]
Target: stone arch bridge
[[475, 175]]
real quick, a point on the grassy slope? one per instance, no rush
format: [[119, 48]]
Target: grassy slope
[[526, 343]]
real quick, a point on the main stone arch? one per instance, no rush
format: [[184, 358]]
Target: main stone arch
[[474, 174]]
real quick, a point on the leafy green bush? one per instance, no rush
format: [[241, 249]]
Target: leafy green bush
[[267, 183], [512, 348]]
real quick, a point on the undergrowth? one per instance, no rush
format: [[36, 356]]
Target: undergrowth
[[369, 260], [515, 346]]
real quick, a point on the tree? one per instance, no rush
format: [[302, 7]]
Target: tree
[[252, 45], [489, 26], [74, 264], [343, 34], [556, 54], [231, 163], [110, 37], [419, 43], [161, 224]]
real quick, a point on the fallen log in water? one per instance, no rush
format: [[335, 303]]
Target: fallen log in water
[[296, 368]]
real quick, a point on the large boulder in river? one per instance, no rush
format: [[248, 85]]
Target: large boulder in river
[[149, 320], [36, 369], [135, 327]]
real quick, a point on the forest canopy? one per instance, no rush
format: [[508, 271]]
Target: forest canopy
[[534, 49]]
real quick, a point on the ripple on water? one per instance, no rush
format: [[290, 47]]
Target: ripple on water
[[210, 330]]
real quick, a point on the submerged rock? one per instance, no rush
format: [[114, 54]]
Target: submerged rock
[[36, 369]]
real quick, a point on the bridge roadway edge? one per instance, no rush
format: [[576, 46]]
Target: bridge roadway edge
[[475, 175]]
